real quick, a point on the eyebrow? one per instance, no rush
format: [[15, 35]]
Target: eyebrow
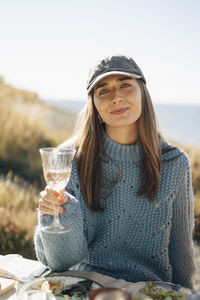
[[124, 78], [119, 79]]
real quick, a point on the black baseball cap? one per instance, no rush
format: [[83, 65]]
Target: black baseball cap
[[113, 65]]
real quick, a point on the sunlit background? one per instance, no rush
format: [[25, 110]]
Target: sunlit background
[[46, 50], [48, 46]]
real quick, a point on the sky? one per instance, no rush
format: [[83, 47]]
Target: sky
[[48, 46]]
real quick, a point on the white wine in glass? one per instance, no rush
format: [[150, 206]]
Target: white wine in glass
[[57, 165]]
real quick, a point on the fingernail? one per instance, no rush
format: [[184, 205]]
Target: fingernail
[[61, 201], [56, 194], [63, 210]]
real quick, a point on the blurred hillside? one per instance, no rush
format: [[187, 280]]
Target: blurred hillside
[[28, 104], [27, 123]]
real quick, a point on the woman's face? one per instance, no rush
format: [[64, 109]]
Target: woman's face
[[117, 99]]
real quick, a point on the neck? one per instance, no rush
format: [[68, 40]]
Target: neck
[[123, 135]]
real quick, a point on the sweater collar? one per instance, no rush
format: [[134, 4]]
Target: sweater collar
[[121, 152]]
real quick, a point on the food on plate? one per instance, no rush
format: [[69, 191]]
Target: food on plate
[[158, 293], [141, 297], [37, 286], [51, 287], [78, 290]]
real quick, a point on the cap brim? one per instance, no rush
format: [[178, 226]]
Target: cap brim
[[98, 78]]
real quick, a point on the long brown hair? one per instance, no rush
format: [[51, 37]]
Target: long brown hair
[[149, 140], [89, 144]]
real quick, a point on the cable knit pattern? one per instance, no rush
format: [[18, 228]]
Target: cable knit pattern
[[133, 239]]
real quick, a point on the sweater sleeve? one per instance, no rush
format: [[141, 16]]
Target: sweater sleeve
[[61, 251], [181, 251]]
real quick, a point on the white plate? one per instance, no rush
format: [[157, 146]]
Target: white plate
[[66, 280]]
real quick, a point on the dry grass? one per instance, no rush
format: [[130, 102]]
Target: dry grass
[[26, 125], [16, 194], [194, 158], [197, 204], [197, 262], [54, 122], [18, 202], [19, 144]]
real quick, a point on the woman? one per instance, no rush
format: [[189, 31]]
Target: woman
[[131, 216]]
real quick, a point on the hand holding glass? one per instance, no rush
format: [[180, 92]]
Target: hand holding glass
[[56, 168]]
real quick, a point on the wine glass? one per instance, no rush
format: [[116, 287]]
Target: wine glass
[[57, 163]]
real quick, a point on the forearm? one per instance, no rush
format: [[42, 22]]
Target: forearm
[[181, 243], [39, 249], [182, 262]]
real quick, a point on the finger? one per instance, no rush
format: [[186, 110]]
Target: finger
[[54, 192], [61, 193], [46, 211], [48, 208], [52, 196], [51, 192], [45, 208], [49, 197]]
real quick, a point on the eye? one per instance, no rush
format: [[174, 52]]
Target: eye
[[102, 92], [124, 85]]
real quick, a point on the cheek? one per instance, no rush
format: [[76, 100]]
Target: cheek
[[96, 102], [135, 97], [137, 102], [99, 104], [133, 93], [139, 109], [138, 99], [137, 94], [139, 106]]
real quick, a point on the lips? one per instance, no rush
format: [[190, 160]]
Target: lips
[[119, 111]]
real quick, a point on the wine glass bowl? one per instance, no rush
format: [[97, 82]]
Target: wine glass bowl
[[57, 163]]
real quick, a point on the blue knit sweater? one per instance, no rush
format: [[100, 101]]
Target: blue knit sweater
[[133, 239]]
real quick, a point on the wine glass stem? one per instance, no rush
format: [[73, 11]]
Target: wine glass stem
[[56, 221]]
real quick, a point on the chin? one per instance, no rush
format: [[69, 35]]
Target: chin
[[122, 124]]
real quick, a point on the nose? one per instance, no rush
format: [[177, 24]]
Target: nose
[[116, 96]]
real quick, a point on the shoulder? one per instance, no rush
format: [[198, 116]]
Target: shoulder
[[175, 165], [172, 153], [174, 162]]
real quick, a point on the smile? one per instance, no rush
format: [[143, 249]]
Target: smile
[[119, 111]]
